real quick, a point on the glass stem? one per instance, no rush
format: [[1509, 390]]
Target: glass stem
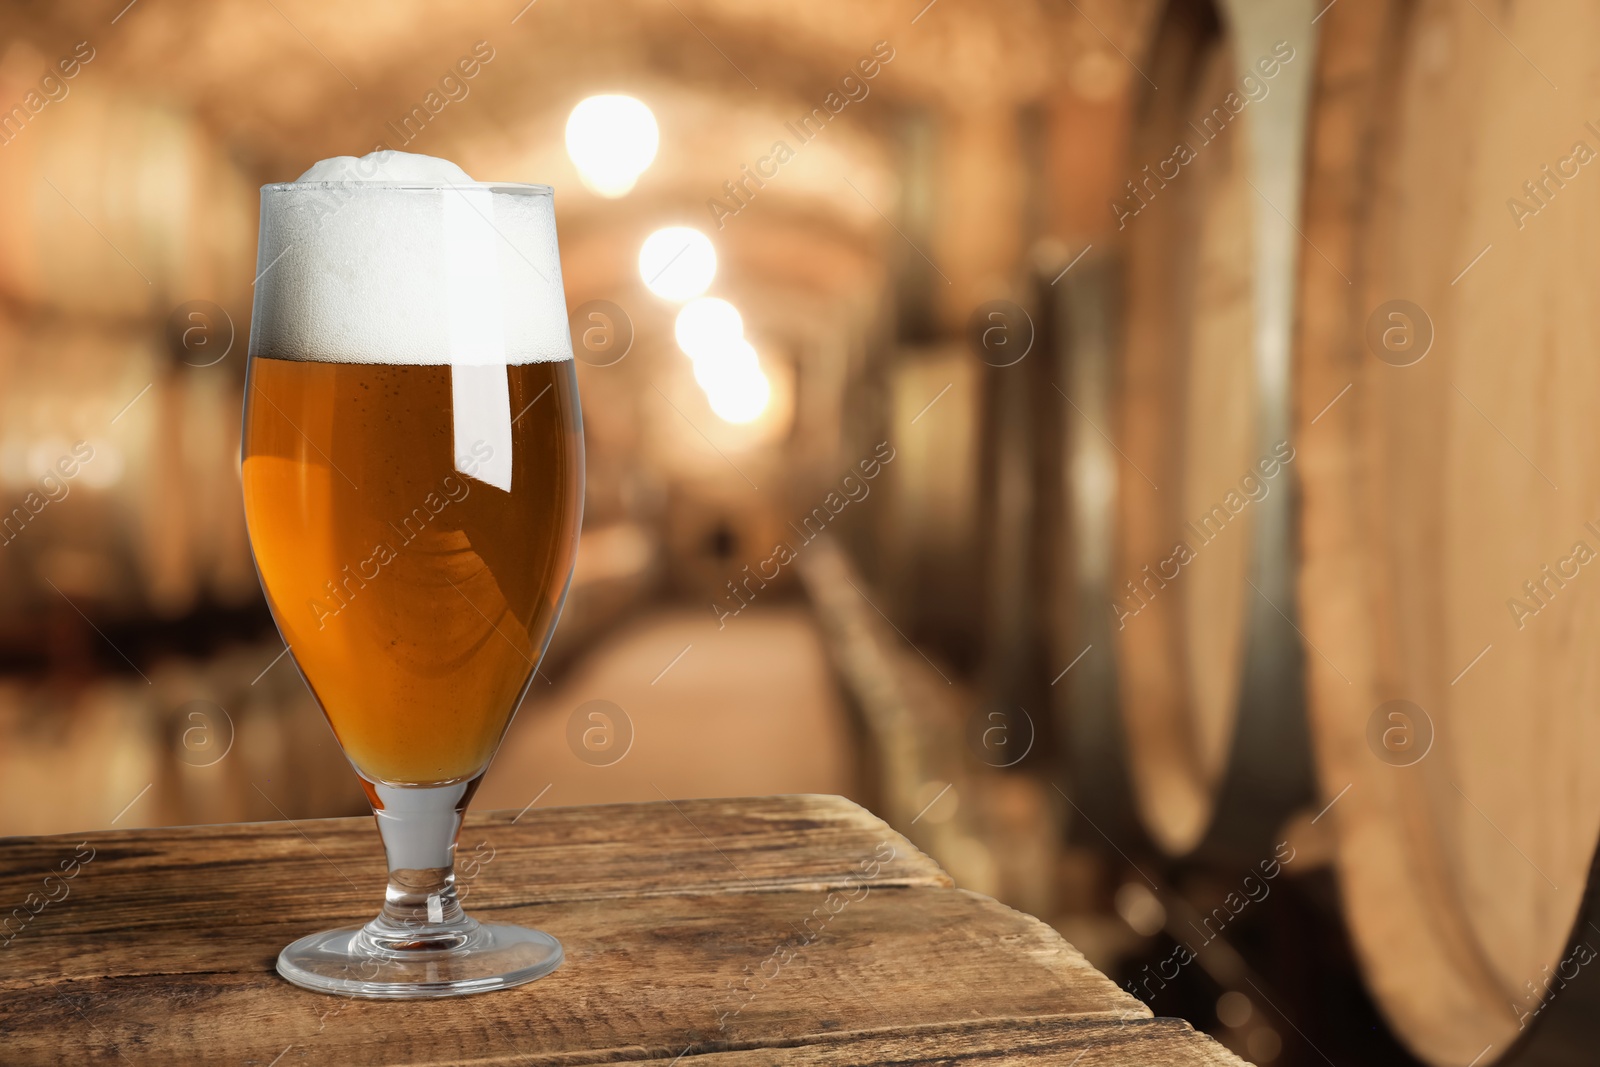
[[419, 828]]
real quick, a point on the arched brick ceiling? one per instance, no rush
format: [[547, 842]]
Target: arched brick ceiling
[[284, 82]]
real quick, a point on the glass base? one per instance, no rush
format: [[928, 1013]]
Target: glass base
[[384, 961]]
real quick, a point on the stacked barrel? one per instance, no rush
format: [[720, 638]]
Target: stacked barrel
[[1449, 497], [126, 238], [1341, 569], [126, 234], [235, 737]]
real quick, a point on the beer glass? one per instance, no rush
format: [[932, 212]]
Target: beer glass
[[413, 487]]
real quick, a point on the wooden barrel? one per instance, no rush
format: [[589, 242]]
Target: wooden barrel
[[232, 738], [1196, 560], [72, 478], [118, 473], [928, 522], [1447, 396], [115, 206]]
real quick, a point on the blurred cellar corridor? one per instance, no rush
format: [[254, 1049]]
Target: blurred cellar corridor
[[993, 415], [865, 182]]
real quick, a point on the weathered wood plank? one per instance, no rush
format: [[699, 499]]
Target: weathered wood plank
[[641, 973], [739, 930], [1016, 1042], [1002, 1043], [332, 869]]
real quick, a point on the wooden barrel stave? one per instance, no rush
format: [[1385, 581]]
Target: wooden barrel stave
[[1174, 768], [1430, 498], [1207, 663]]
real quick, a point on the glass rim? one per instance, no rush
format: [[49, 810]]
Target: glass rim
[[509, 188]]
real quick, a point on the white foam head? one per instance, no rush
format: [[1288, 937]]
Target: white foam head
[[403, 259]]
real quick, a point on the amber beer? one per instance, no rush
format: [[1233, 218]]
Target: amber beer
[[413, 484], [416, 596]]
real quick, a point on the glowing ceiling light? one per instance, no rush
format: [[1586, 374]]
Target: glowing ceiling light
[[706, 324], [677, 263], [733, 381], [725, 362], [612, 140], [743, 399]]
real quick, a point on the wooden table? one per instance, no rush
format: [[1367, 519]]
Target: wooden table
[[796, 930]]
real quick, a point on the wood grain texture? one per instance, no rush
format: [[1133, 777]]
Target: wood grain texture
[[1187, 410], [739, 928], [1433, 523]]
